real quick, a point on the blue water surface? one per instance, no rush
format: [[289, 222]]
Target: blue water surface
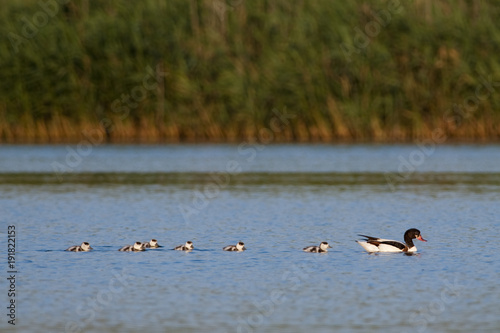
[[277, 199]]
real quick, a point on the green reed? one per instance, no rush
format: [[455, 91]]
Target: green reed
[[214, 70]]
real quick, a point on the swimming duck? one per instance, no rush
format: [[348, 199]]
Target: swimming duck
[[80, 248], [374, 244], [186, 247], [152, 244], [238, 247], [138, 246], [323, 247]]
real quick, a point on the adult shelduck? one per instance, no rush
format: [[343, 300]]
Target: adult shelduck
[[374, 244]]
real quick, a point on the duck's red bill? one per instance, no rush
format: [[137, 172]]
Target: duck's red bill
[[421, 239]]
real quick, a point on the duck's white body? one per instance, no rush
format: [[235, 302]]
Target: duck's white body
[[382, 247], [85, 247], [138, 246], [374, 244], [238, 247]]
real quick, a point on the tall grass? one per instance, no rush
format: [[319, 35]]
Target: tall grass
[[214, 70]]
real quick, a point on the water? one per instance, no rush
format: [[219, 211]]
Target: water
[[277, 199]]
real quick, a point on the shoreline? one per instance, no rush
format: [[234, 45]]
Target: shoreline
[[453, 141]]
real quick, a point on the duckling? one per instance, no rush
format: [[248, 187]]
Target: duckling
[[138, 246], [85, 247], [152, 244], [323, 247], [238, 247], [186, 247]]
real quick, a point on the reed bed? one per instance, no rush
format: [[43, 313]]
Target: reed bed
[[219, 71]]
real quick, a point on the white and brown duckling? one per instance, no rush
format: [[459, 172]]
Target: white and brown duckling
[[85, 247], [238, 247], [374, 244], [138, 246], [152, 244], [323, 247], [186, 247]]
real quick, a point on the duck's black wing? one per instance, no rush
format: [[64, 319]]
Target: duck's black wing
[[369, 238], [397, 244]]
